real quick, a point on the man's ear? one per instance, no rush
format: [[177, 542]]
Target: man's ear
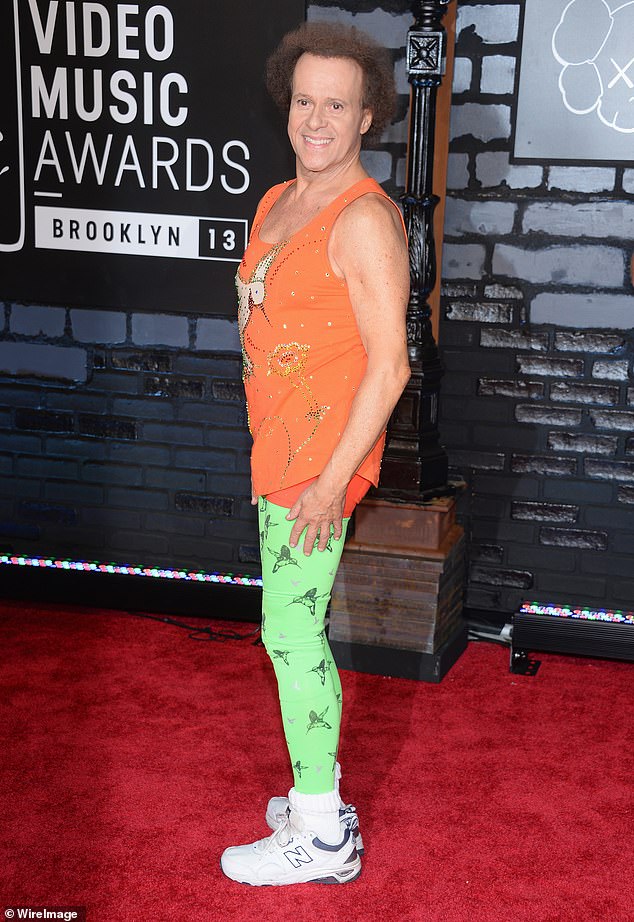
[[366, 122]]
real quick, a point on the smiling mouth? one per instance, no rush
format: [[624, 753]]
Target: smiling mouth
[[317, 142]]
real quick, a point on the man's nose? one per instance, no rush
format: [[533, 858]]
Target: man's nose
[[317, 117]]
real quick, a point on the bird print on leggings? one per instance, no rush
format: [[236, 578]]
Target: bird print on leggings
[[320, 670], [316, 720], [283, 558], [309, 599], [264, 534]]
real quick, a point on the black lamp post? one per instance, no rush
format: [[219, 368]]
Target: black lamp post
[[415, 465]]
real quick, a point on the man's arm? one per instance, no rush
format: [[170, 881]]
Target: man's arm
[[367, 247]]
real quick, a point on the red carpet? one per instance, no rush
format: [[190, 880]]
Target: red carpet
[[133, 755]]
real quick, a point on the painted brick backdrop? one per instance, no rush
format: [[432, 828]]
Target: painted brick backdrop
[[537, 407], [123, 435], [124, 439]]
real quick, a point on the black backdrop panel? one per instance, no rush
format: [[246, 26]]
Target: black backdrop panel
[[135, 142]]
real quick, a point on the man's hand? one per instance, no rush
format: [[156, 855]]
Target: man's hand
[[317, 510]]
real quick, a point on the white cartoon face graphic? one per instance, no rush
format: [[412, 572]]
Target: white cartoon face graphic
[[598, 63], [3, 169]]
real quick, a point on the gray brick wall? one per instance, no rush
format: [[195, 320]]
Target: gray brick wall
[[543, 377], [123, 436]]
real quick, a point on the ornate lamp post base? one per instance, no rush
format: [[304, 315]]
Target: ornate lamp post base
[[415, 467]]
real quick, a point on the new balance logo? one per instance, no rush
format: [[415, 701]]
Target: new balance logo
[[298, 856]]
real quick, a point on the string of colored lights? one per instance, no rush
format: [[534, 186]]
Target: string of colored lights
[[585, 614], [52, 563]]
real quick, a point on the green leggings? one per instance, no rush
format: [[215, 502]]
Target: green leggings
[[296, 591]]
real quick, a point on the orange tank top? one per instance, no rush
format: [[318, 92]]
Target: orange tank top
[[303, 357]]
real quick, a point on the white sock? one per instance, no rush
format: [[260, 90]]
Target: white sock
[[319, 812], [337, 780]]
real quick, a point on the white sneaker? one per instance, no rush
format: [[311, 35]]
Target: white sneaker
[[278, 807], [292, 855]]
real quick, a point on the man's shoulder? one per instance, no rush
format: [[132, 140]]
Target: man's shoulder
[[373, 212]]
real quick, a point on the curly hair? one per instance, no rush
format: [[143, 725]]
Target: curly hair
[[332, 40]]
